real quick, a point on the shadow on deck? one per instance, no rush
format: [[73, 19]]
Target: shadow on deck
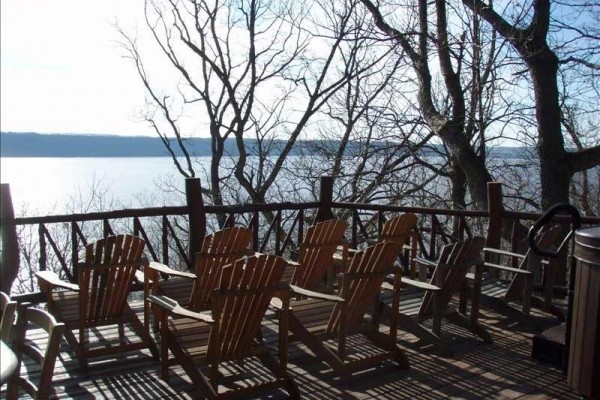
[[477, 370]]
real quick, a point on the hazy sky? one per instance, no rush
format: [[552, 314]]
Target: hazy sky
[[61, 70]]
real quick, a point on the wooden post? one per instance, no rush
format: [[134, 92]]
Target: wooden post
[[197, 217], [325, 198], [9, 257], [496, 212]]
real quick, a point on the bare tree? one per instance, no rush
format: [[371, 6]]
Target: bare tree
[[530, 34], [454, 110], [259, 70]]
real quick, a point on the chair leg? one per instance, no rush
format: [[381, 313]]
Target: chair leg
[[437, 314], [142, 331], [12, 392], [316, 346], [388, 344], [527, 293], [122, 332], [77, 348], [292, 388]]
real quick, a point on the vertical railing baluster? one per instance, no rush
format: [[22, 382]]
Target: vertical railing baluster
[[255, 231], [278, 233], [514, 242], [74, 248], [165, 240], [432, 238], [43, 256], [300, 226], [136, 226], [355, 217], [230, 222], [106, 228], [461, 228]]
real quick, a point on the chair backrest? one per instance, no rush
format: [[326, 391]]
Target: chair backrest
[[8, 309], [316, 252], [240, 302], [399, 228], [547, 239], [362, 281], [219, 249], [105, 278], [450, 272], [45, 358]]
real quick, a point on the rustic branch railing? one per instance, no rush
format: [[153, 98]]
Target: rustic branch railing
[[279, 233]]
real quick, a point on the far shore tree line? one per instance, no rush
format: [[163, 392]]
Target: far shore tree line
[[379, 82]]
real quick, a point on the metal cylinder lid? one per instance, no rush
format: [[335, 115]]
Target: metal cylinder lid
[[587, 248]]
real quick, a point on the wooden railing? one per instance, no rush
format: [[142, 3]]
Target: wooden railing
[[173, 234]]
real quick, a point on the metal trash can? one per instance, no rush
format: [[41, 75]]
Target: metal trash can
[[584, 351]]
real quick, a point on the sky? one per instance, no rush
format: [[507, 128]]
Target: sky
[[62, 70]]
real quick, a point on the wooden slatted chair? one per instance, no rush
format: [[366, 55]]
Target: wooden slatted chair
[[399, 229], [321, 321], [448, 279], [8, 309], [46, 358], [315, 255], [521, 268], [100, 297], [229, 332], [192, 290]]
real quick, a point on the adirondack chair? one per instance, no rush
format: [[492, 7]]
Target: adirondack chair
[[100, 297], [521, 268], [448, 278], [8, 309], [321, 317], [193, 290], [315, 255], [399, 229], [229, 332], [44, 357]]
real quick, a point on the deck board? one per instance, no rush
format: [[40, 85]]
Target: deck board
[[502, 370]]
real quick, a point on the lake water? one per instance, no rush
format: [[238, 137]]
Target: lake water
[[41, 186]]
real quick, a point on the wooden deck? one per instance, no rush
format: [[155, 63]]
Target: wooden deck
[[503, 370]]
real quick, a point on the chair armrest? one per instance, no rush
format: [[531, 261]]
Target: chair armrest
[[163, 269], [315, 295], [419, 284], [502, 252], [173, 307], [425, 261], [51, 279], [509, 269], [139, 276], [277, 304], [291, 263]]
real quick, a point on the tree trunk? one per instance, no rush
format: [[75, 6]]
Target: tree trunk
[[555, 171]]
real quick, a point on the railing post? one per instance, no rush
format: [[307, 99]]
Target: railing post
[[197, 216], [9, 261], [496, 212], [325, 199]]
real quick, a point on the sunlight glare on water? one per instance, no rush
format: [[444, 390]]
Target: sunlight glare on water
[[41, 186]]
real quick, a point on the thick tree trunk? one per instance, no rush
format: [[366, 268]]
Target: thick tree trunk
[[471, 164], [555, 170]]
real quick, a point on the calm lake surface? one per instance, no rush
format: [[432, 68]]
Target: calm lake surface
[[42, 186]]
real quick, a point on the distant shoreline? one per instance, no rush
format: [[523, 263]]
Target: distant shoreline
[[36, 145]]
